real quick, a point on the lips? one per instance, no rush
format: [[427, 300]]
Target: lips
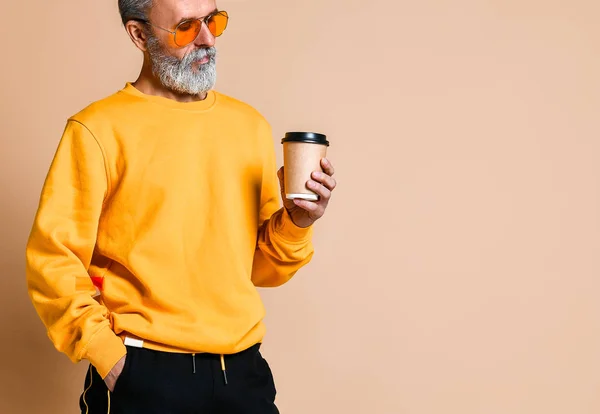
[[199, 58]]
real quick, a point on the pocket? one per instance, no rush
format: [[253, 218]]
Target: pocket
[[122, 379]]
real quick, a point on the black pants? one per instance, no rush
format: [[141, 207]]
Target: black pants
[[155, 382]]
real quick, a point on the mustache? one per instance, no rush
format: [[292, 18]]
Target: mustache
[[199, 54]]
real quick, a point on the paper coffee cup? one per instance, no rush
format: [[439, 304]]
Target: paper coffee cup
[[302, 154]]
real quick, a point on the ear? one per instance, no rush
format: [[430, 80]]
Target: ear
[[137, 33]]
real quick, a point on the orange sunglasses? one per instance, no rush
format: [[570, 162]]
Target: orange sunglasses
[[188, 30]]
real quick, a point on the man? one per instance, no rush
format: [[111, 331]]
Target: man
[[159, 217]]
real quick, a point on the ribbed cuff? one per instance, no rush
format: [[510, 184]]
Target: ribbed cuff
[[105, 350], [285, 228]]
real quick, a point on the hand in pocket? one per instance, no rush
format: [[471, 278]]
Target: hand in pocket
[[114, 374]]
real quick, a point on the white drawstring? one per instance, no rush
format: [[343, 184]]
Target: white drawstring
[[87, 409]]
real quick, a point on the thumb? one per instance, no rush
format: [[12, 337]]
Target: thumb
[[281, 176], [289, 204]]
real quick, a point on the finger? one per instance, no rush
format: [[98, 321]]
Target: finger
[[327, 167], [309, 206], [320, 189], [326, 180], [280, 173]]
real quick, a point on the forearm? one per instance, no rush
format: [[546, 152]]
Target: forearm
[[282, 249], [62, 294]]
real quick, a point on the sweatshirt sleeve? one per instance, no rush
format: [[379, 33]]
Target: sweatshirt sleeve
[[282, 247], [59, 252]]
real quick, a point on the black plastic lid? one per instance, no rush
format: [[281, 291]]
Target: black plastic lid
[[309, 137]]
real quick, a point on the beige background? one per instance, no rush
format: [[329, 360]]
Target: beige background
[[457, 270]]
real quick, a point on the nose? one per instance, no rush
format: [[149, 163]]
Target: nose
[[205, 37]]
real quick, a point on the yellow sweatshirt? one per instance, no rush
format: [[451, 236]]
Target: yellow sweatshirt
[[157, 221]]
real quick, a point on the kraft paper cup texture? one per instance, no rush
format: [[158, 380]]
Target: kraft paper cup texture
[[302, 154]]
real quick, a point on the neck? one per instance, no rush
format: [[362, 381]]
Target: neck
[[150, 85]]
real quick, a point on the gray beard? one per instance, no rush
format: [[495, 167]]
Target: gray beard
[[179, 75]]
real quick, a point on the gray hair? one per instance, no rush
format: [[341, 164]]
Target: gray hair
[[134, 9]]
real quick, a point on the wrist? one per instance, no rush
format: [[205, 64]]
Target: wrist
[[289, 230]]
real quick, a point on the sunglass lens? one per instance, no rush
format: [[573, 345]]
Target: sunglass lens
[[187, 32], [217, 23]]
